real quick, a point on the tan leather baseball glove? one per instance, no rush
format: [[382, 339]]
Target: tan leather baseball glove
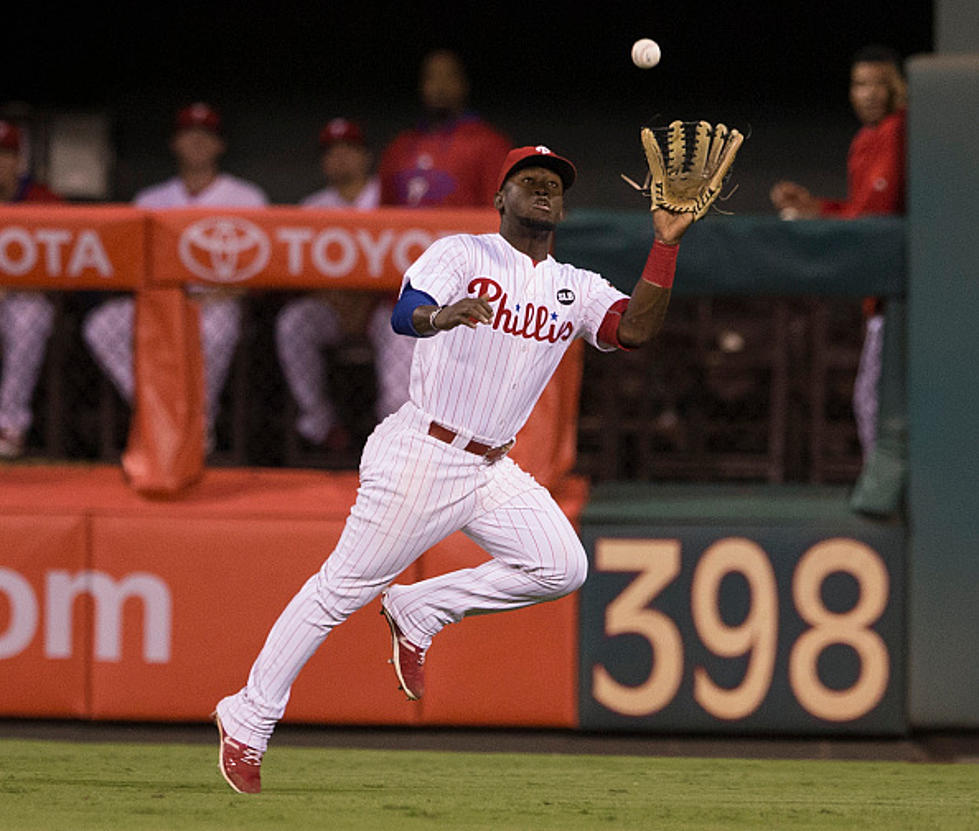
[[688, 162]]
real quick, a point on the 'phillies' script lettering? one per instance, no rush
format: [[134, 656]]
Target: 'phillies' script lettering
[[535, 322]]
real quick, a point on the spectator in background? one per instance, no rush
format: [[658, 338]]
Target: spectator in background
[[452, 157], [197, 145], [346, 162], [306, 326], [26, 317], [875, 185]]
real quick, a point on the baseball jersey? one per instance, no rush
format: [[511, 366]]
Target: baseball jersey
[[485, 381], [225, 191], [368, 198], [454, 165], [875, 172]]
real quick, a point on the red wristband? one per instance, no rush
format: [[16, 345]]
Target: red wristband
[[661, 264]]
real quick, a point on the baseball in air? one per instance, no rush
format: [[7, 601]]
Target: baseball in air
[[645, 53]]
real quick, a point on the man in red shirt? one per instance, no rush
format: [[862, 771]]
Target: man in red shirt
[[26, 317], [875, 185], [451, 158]]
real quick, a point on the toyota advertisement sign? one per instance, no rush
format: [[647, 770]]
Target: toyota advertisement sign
[[120, 247]]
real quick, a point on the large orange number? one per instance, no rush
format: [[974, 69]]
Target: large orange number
[[657, 563], [758, 633], [850, 628]]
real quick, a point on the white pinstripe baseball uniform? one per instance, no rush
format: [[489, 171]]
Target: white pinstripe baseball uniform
[[416, 489], [108, 329]]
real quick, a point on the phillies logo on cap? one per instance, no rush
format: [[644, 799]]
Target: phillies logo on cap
[[199, 115], [341, 129], [539, 154]]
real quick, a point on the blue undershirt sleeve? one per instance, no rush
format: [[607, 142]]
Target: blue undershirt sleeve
[[409, 300]]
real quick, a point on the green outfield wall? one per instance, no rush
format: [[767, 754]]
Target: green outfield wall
[[943, 390], [722, 609]]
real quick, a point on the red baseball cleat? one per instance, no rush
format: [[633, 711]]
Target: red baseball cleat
[[240, 765], [408, 660]]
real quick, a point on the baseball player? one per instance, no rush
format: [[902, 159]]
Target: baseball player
[[197, 144], [308, 324], [26, 317], [491, 316]]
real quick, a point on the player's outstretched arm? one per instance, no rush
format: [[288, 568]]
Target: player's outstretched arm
[[644, 316]]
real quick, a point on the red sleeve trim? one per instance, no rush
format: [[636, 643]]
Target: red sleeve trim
[[608, 332], [661, 265]]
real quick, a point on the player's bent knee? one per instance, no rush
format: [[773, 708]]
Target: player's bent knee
[[567, 576], [577, 572]]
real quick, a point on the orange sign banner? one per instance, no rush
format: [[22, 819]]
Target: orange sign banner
[[119, 247], [72, 247], [281, 247], [117, 608]]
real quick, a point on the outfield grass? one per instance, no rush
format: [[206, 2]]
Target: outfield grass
[[73, 787]]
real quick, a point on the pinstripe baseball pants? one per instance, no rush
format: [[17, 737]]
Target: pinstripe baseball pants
[[108, 332], [26, 320], [415, 490], [866, 385]]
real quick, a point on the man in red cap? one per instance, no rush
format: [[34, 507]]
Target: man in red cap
[[308, 325], [26, 317], [491, 315], [197, 145], [345, 160]]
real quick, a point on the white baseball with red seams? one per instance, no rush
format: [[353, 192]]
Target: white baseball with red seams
[[416, 489], [646, 53]]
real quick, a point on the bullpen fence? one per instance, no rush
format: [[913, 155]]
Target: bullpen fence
[[750, 380]]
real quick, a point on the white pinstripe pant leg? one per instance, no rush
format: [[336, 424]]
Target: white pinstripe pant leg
[[220, 322], [536, 556], [413, 493], [108, 332], [303, 328], [867, 383], [26, 320]]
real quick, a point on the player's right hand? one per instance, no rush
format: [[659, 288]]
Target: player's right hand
[[470, 311]]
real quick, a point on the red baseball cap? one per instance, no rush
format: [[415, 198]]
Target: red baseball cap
[[341, 129], [541, 156], [199, 115], [9, 136]]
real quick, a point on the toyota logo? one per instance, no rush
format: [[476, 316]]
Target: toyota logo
[[224, 249]]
